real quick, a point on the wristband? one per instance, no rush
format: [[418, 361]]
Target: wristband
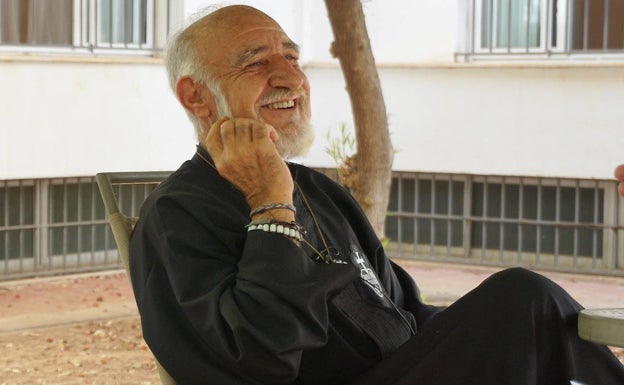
[[291, 230], [272, 206]]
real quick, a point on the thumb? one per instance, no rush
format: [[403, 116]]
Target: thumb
[[273, 135]]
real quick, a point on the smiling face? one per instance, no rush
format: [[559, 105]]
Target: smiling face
[[256, 67]]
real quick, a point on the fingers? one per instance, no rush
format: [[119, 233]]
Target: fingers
[[619, 175], [273, 135], [241, 132], [245, 141], [244, 152], [212, 142], [238, 135]]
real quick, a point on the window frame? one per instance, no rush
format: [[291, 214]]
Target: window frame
[[555, 41], [159, 18], [96, 19], [492, 48]]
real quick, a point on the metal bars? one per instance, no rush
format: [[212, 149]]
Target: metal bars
[[54, 226], [556, 224], [544, 29]]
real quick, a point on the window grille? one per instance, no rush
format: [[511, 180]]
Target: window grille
[[17, 219], [544, 29], [558, 224], [87, 26], [122, 22], [52, 226]]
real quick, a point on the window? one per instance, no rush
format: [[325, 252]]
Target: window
[[101, 26], [122, 22], [72, 209], [36, 22], [17, 220], [537, 219], [560, 224], [511, 25], [596, 25], [430, 212], [545, 29], [49, 226]]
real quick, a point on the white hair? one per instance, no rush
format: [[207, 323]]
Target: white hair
[[182, 58]]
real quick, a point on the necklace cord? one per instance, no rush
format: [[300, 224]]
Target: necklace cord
[[318, 228], [328, 258], [206, 160]]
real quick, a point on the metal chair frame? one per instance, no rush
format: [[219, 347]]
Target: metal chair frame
[[123, 225]]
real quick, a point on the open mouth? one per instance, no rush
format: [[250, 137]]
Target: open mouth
[[280, 105]]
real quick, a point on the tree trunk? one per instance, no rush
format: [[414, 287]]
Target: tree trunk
[[370, 171]]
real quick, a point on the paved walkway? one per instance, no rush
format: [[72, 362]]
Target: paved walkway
[[444, 283], [64, 300], [38, 303]]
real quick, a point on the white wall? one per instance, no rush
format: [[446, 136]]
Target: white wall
[[505, 121], [508, 121], [67, 118]]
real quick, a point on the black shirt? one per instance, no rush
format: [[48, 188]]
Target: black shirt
[[226, 306]]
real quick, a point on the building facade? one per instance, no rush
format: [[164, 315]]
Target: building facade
[[506, 117]]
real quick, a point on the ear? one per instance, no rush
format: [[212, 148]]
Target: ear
[[196, 98]]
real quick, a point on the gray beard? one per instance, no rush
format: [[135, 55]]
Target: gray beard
[[291, 145], [294, 142]]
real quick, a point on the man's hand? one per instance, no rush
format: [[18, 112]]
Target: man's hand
[[619, 175], [244, 153]]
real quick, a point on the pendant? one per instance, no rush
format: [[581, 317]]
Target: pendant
[[330, 255], [367, 274]]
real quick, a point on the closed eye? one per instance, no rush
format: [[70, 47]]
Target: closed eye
[[293, 60], [256, 63]]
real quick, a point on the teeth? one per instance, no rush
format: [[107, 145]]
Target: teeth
[[279, 105]]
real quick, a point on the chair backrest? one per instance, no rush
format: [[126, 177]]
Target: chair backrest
[[122, 224]]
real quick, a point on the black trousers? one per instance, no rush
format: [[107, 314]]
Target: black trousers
[[517, 327]]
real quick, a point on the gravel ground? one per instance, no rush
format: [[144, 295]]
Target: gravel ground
[[105, 352]]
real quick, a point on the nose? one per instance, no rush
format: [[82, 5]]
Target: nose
[[284, 74]]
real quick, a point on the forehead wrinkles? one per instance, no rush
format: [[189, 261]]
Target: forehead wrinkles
[[246, 54], [208, 31], [234, 34], [237, 41]]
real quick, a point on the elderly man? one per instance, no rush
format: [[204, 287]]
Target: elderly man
[[248, 269]]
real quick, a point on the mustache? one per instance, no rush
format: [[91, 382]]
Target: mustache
[[282, 94]]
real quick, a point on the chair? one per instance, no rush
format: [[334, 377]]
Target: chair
[[122, 225]]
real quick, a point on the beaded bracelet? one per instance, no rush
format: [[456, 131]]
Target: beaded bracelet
[[272, 206], [290, 229]]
